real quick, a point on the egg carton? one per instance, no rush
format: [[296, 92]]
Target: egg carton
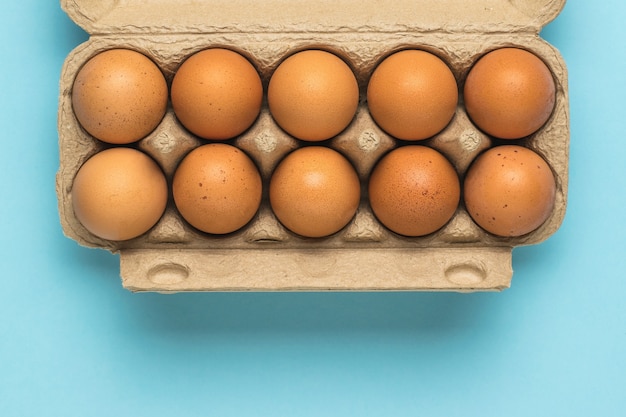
[[263, 255]]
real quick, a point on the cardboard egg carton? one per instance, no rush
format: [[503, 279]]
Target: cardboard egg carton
[[263, 255]]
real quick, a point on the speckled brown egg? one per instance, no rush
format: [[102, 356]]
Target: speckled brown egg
[[412, 95], [313, 95], [217, 188], [509, 93], [119, 194], [217, 94], [509, 190], [414, 190], [119, 96], [314, 191]]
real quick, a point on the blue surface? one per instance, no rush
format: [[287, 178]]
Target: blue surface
[[74, 343]]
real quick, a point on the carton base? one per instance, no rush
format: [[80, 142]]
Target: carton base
[[461, 269]]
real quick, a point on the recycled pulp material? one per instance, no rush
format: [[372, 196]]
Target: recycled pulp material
[[174, 257]]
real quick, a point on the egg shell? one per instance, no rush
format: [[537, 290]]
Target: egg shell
[[510, 93], [119, 194], [510, 190], [412, 94], [119, 96], [314, 191], [217, 93], [217, 188], [414, 190], [313, 95]]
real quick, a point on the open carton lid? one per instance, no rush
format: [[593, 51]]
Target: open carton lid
[[103, 17]]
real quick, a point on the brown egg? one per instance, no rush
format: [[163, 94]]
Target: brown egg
[[509, 190], [217, 188], [414, 190], [412, 95], [313, 95], [314, 191], [119, 96], [217, 94], [119, 194], [509, 93]]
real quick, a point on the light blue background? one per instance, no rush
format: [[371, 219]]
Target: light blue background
[[74, 343]]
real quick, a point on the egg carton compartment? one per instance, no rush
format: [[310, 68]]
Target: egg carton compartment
[[264, 255]]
